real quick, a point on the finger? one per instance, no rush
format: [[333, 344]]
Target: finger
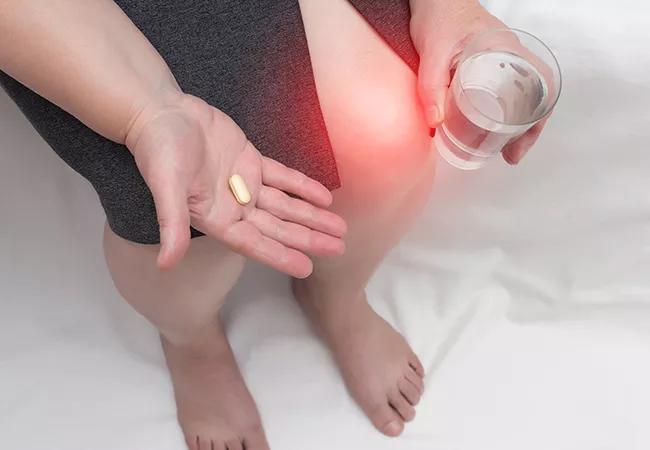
[[281, 177], [433, 80], [173, 221], [296, 236], [244, 238], [517, 149], [298, 211]]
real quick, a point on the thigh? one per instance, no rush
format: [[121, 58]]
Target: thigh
[[252, 62], [380, 139], [368, 96], [249, 59]]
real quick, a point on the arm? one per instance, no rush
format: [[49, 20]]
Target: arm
[[85, 56]]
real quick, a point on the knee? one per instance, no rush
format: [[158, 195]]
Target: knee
[[177, 301], [381, 140]]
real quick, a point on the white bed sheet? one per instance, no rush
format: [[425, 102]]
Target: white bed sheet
[[526, 291]]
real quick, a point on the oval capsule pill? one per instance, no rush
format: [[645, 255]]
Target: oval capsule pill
[[239, 189]]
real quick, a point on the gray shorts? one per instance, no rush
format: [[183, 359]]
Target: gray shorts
[[249, 58]]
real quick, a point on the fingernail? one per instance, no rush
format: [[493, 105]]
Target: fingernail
[[434, 115], [517, 156]]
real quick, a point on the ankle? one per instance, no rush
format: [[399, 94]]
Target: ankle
[[327, 309], [200, 342], [324, 294]]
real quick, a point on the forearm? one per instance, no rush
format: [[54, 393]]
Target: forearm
[[86, 56]]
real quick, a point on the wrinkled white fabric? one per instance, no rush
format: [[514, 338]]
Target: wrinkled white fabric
[[526, 291]]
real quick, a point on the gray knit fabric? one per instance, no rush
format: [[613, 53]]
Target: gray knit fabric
[[391, 19], [248, 58]]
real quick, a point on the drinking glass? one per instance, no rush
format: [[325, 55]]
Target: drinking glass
[[506, 81]]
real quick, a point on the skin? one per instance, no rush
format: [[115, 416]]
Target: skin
[[386, 164], [186, 151], [440, 29], [187, 169], [378, 114], [171, 134]]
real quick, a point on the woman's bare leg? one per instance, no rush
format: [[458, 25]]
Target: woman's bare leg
[[382, 147], [215, 409]]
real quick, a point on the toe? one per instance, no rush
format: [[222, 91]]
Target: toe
[[256, 440], [192, 442], [402, 406], [415, 379], [386, 419], [416, 365], [234, 444], [409, 391], [203, 443], [217, 444]]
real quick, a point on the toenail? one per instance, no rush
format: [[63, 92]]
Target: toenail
[[393, 428]]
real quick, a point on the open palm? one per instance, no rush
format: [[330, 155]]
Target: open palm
[[187, 152]]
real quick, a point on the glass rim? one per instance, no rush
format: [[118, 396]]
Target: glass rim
[[482, 34]]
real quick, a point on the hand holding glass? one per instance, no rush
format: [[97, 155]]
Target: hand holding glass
[[505, 82]]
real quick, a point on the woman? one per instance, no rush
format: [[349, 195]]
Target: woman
[[159, 103]]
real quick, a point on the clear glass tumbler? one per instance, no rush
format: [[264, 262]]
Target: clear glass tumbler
[[505, 81]]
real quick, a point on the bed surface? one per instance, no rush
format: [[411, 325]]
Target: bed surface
[[525, 291]]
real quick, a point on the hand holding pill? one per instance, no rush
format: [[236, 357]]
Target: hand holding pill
[[222, 186]]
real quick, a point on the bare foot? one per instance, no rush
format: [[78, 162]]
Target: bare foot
[[380, 370], [215, 409]]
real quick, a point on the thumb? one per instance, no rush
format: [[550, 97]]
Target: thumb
[[433, 83], [174, 223]]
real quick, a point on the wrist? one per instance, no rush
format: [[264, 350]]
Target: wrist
[[428, 18], [143, 110]]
